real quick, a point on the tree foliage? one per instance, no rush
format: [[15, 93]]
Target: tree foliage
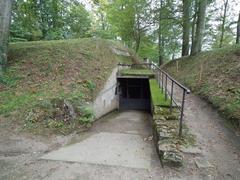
[[158, 29], [79, 21], [49, 19]]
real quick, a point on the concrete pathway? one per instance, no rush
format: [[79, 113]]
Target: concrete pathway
[[116, 140], [117, 148], [119, 140]]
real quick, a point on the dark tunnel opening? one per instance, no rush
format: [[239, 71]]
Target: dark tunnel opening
[[134, 94]]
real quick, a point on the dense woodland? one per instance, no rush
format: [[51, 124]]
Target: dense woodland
[[158, 29]]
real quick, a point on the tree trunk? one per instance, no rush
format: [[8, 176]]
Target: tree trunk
[[102, 21], [160, 56], [5, 18], [160, 49], [162, 45], [238, 30], [137, 35], [43, 19], [223, 23], [200, 26], [194, 26], [138, 41], [186, 27]]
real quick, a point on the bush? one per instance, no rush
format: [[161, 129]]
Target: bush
[[55, 124], [87, 115]]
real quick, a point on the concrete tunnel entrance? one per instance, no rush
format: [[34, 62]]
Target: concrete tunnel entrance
[[134, 93]]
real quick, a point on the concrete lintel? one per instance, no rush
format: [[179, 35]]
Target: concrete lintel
[[132, 77]]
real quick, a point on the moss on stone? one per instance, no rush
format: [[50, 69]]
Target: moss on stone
[[158, 97], [137, 72], [166, 126]]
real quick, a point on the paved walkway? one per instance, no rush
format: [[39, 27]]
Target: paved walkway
[[117, 148], [117, 140]]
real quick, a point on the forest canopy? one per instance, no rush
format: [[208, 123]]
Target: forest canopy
[[158, 29]]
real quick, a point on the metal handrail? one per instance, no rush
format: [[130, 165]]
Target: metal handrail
[[161, 75]]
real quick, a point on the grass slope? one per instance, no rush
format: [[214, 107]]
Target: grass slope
[[41, 73], [215, 76]]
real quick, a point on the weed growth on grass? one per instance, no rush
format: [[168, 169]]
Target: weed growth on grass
[[42, 74], [213, 75]]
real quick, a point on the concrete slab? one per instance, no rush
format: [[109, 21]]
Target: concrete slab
[[116, 149], [191, 150], [193, 177], [202, 163]]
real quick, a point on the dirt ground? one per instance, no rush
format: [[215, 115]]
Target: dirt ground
[[220, 145], [20, 152]]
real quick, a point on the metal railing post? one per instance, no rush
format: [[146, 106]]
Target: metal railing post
[[162, 81], [171, 100], [165, 87], [181, 117]]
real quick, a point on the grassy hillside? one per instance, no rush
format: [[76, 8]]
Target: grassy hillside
[[46, 80], [215, 76]]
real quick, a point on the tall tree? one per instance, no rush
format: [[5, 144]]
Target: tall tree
[[101, 14], [186, 27], [79, 21], [48, 19], [193, 24], [160, 38], [25, 21], [5, 17], [238, 30], [43, 17], [169, 29], [130, 20], [200, 27], [143, 21], [223, 22]]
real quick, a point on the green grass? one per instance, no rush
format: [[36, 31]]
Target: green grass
[[38, 71], [213, 75], [137, 72], [158, 97]]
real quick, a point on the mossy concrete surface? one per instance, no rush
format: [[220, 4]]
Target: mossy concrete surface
[[137, 72], [157, 95]]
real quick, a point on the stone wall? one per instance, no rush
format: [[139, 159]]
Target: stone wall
[[165, 127], [169, 145]]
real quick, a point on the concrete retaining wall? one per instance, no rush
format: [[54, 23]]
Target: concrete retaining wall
[[107, 100]]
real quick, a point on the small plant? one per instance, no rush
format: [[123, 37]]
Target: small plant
[[87, 115], [32, 116], [30, 125], [55, 124], [90, 85], [84, 120], [87, 112]]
